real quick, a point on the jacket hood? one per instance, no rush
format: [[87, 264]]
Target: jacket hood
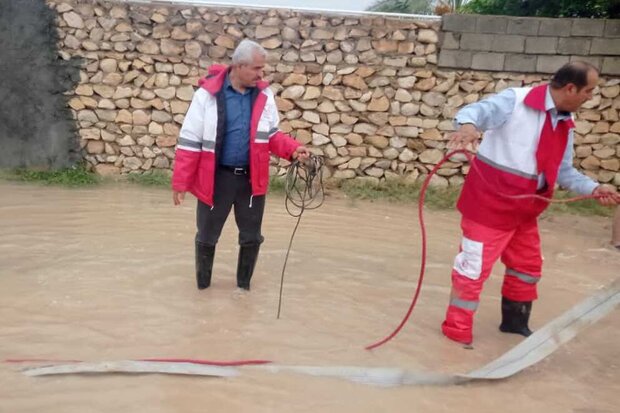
[[214, 80]]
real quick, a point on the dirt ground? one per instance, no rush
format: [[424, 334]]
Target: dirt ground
[[107, 274]]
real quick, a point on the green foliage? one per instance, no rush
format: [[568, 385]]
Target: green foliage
[[546, 8], [445, 198], [417, 6], [154, 178], [76, 176], [276, 185], [401, 192], [454, 5], [585, 207], [402, 6]]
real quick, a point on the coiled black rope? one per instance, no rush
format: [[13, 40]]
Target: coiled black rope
[[304, 190]]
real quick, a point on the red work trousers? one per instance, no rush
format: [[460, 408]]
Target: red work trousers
[[481, 246]]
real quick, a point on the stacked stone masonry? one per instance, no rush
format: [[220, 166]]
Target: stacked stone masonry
[[365, 92]]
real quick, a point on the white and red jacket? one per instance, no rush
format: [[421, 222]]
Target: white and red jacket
[[202, 134], [520, 155]]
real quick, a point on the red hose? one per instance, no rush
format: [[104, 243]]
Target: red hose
[[423, 258], [211, 362], [423, 235], [160, 360]]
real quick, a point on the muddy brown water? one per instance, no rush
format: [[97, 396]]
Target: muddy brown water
[[107, 274]]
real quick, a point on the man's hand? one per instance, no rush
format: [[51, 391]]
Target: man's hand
[[301, 153], [178, 197], [608, 193], [465, 135]]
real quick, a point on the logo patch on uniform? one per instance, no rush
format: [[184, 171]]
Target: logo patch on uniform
[[468, 262]]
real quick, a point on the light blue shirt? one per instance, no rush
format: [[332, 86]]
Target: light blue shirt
[[493, 112]]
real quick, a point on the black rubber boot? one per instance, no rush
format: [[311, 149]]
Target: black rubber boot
[[204, 264], [245, 265], [515, 316]]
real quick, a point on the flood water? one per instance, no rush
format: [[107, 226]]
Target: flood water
[[108, 274]]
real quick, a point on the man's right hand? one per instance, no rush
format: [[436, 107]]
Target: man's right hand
[[465, 135], [607, 195], [178, 197]]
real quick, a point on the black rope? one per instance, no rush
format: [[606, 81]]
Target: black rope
[[304, 190]]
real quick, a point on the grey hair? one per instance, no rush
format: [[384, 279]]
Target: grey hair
[[245, 52]]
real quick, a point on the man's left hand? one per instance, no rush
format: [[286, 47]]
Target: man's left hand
[[301, 153], [608, 195]]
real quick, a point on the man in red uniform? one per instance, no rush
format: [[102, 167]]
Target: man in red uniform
[[222, 157], [527, 149]]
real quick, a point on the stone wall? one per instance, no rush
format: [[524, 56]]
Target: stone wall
[[364, 91]]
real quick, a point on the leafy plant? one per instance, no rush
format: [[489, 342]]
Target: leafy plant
[[76, 176], [402, 6], [546, 8], [154, 178], [439, 7]]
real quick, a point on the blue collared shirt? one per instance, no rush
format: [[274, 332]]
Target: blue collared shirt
[[236, 144], [493, 112]]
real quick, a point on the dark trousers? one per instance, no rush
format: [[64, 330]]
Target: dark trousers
[[231, 190]]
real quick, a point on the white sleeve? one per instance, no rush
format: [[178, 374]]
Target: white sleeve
[[274, 116], [190, 137]]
